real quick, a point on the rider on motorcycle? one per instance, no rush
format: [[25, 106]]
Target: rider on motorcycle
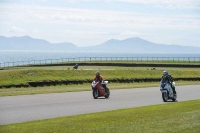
[[167, 77], [98, 77], [76, 66]]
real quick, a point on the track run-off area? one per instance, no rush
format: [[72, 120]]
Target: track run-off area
[[24, 108]]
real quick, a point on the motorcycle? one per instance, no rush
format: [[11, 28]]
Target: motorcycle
[[167, 92], [75, 66], [100, 89]]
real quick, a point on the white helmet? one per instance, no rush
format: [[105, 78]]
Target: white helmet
[[165, 73]]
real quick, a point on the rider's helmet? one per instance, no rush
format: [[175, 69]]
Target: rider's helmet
[[97, 74], [165, 73]]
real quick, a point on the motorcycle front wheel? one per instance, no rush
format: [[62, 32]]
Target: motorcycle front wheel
[[95, 93], [164, 96], [107, 93]]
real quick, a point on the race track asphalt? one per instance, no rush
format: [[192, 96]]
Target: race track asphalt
[[17, 109]]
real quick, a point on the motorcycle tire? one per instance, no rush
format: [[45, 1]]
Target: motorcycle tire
[[107, 93], [95, 93], [174, 98], [164, 97]]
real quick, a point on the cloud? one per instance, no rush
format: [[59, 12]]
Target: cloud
[[92, 25], [184, 4], [169, 4], [85, 32], [15, 29], [129, 33], [95, 18]]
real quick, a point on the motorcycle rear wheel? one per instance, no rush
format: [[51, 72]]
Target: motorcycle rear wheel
[[95, 93], [174, 97]]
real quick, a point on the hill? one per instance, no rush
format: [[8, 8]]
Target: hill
[[136, 45], [28, 43]]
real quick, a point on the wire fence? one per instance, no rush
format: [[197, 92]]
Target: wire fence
[[100, 59]]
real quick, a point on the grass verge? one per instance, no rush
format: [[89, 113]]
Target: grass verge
[[178, 117], [81, 87], [15, 77]]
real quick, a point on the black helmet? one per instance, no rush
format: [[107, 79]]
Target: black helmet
[[165, 73], [97, 74]]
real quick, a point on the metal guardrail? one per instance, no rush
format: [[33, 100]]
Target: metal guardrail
[[84, 59]]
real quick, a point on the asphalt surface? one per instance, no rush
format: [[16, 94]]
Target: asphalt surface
[[17, 109]]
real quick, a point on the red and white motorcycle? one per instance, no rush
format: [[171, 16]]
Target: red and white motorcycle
[[100, 89]]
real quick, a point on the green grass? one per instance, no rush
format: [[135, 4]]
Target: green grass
[[178, 117], [25, 75], [81, 87], [22, 75]]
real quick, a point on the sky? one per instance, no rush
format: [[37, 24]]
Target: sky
[[93, 22]]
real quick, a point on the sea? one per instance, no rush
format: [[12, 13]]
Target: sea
[[9, 58]]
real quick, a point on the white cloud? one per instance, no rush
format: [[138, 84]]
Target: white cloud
[[85, 32], [129, 33], [191, 4], [96, 18], [169, 4], [81, 26], [15, 29]]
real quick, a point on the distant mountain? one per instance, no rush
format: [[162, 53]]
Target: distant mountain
[[135, 45], [28, 43]]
